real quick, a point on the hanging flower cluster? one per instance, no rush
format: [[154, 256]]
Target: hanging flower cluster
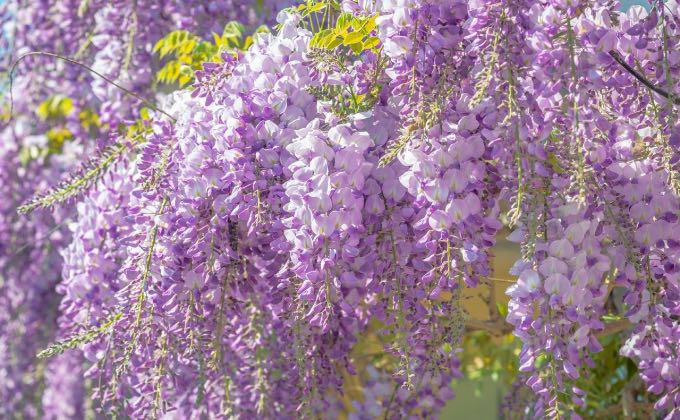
[[78, 114], [346, 175]]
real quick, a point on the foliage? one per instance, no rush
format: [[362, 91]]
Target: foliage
[[55, 110], [349, 31], [187, 52]]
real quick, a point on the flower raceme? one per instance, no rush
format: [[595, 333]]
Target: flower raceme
[[38, 148]]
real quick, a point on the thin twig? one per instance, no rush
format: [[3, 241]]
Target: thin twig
[[37, 240], [390, 401], [79, 64], [497, 279], [614, 327], [675, 99], [500, 327]]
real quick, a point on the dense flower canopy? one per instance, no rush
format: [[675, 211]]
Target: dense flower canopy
[[237, 231]]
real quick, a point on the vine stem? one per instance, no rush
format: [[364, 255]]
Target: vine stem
[[666, 66], [141, 298], [389, 403], [146, 102], [675, 99], [580, 158], [147, 266], [401, 319]]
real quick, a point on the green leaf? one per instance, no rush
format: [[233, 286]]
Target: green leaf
[[554, 162], [344, 21], [540, 360], [65, 106], [334, 43], [187, 47], [233, 29], [357, 48], [43, 110], [369, 26], [320, 38], [502, 309], [88, 119], [159, 45], [316, 8], [55, 107], [262, 29], [371, 42], [353, 38], [184, 79], [56, 137]]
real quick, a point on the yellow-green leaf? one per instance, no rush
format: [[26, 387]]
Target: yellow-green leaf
[[357, 48], [344, 21], [262, 29], [316, 8], [371, 42], [233, 29], [353, 38], [188, 46], [334, 43], [158, 45], [319, 39], [88, 119], [554, 162], [184, 79], [369, 26], [58, 106]]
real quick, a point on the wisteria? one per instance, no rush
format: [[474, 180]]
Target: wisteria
[[205, 219], [77, 114]]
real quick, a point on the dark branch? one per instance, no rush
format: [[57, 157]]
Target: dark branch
[[146, 102], [675, 99]]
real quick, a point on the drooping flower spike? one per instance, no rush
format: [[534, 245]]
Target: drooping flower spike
[[341, 179]]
